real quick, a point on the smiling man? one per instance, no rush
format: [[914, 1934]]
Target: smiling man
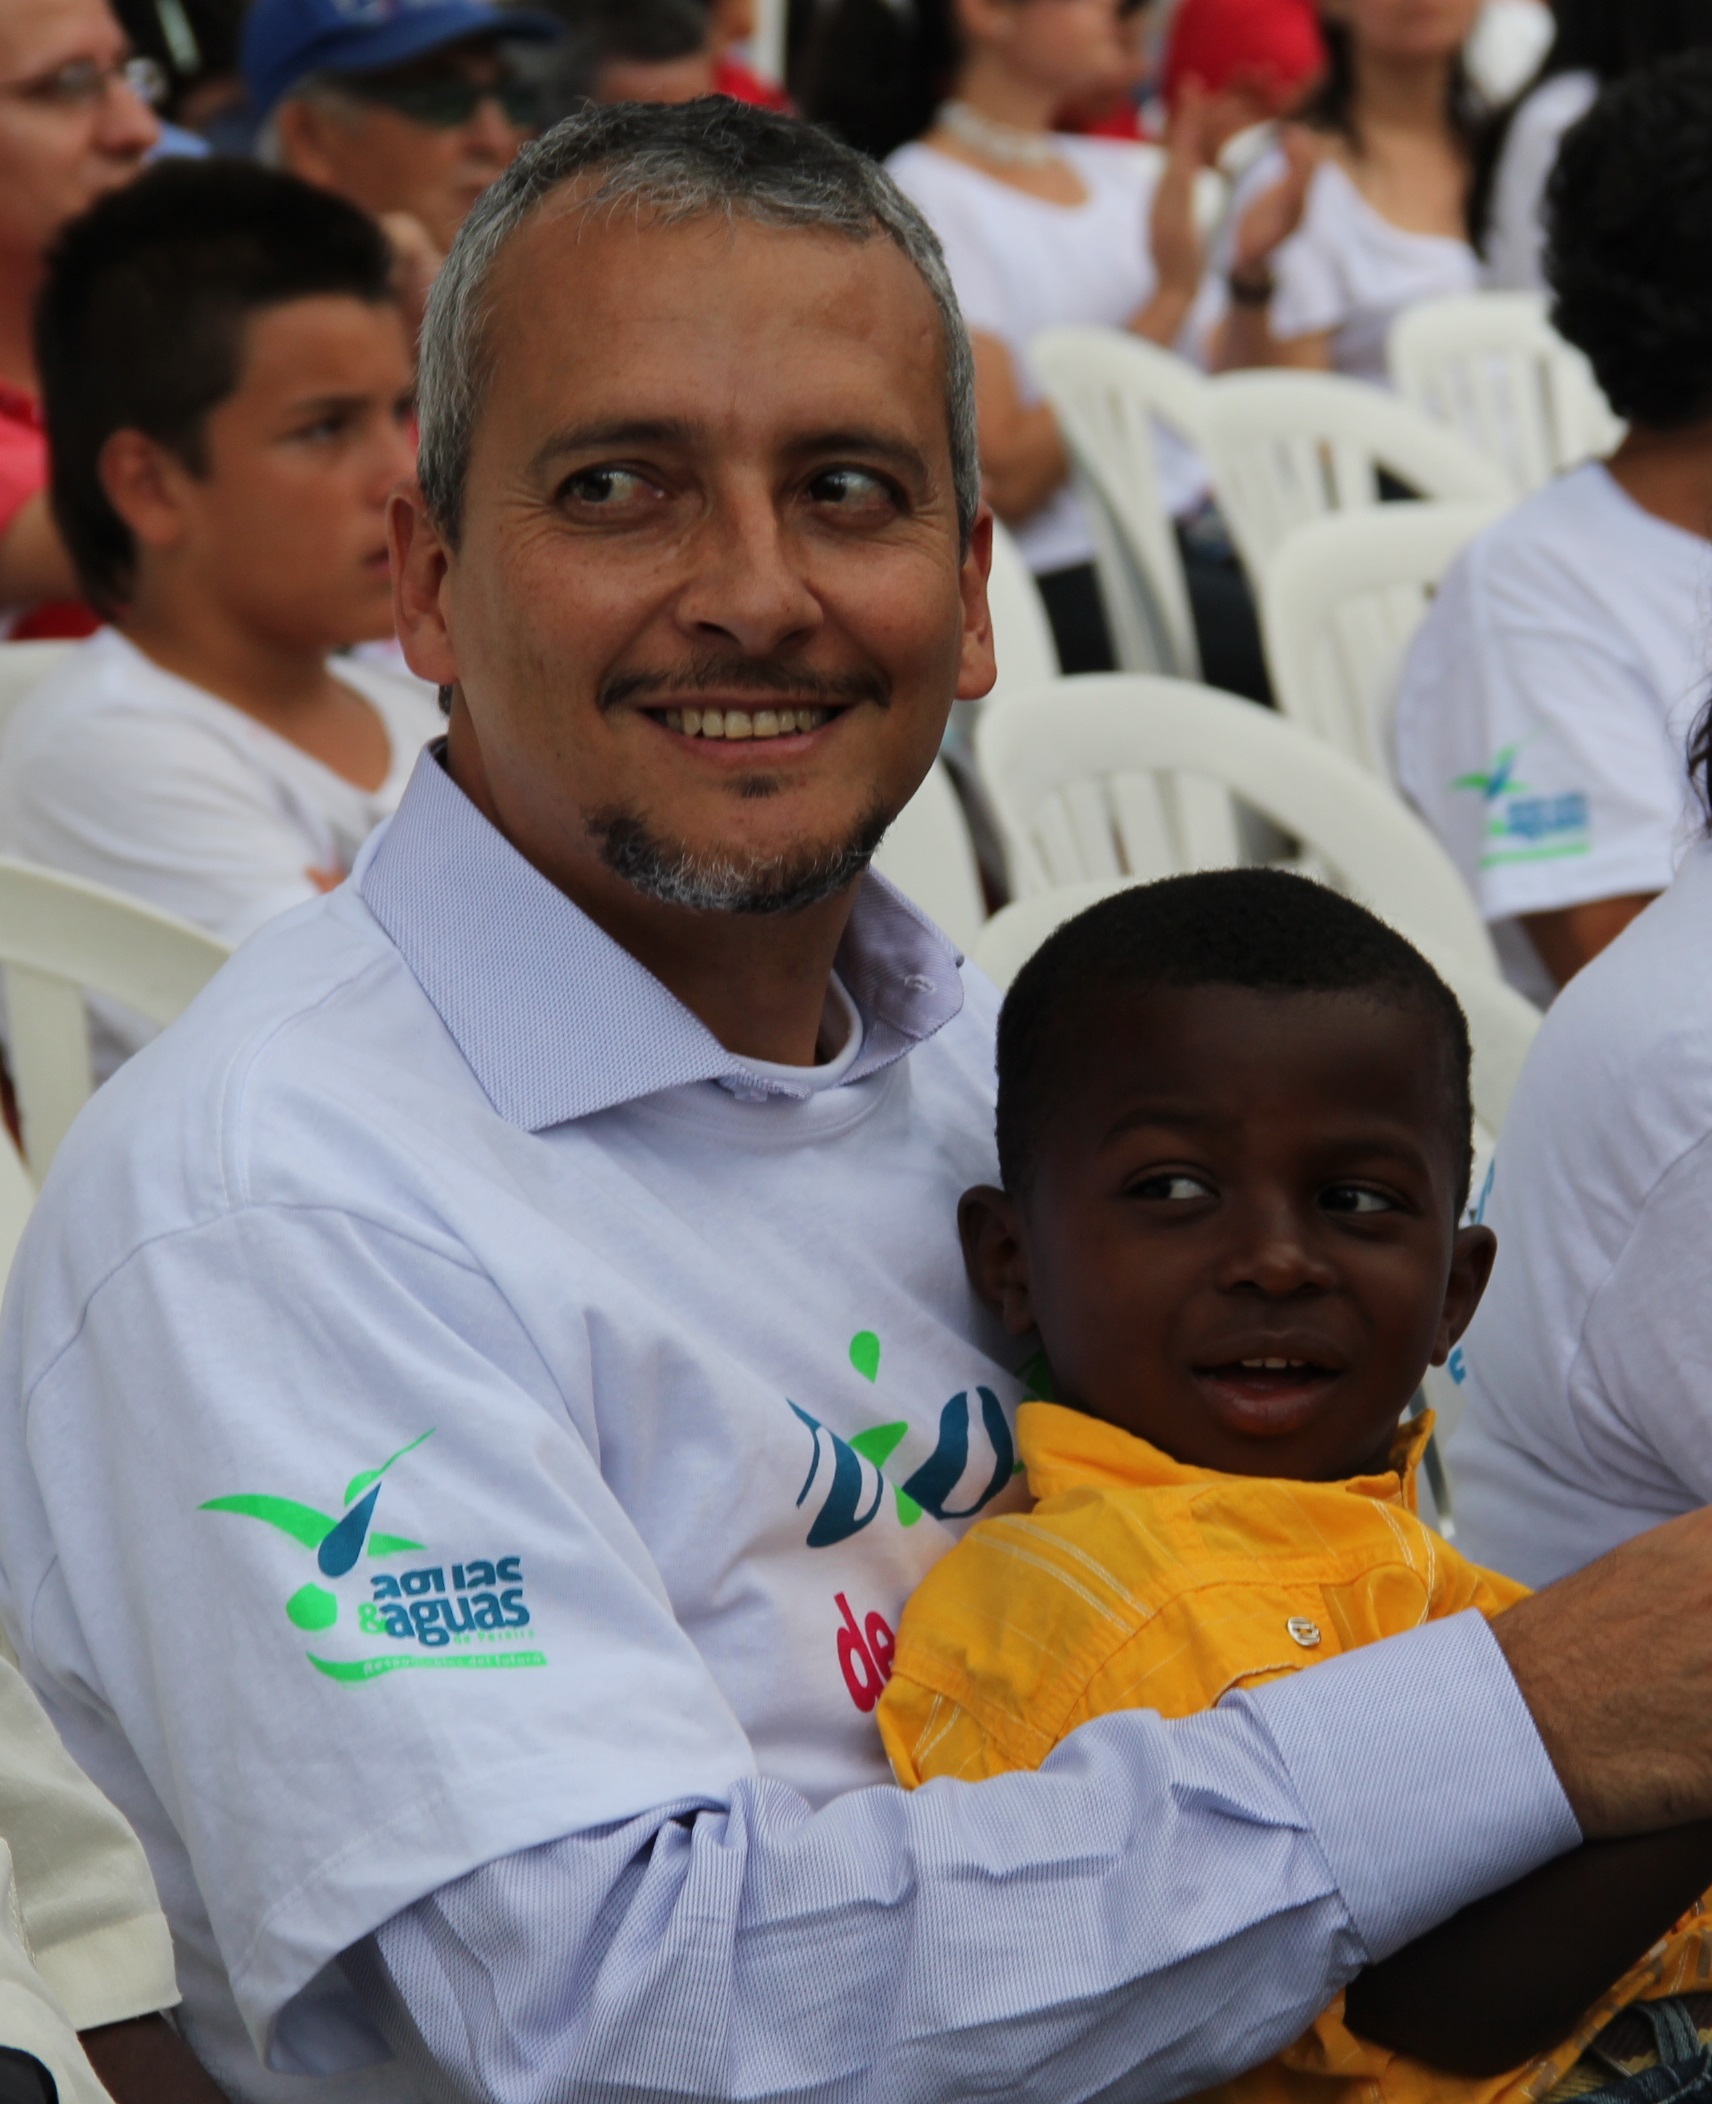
[[477, 1394]]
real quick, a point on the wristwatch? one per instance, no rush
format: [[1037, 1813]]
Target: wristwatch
[[1251, 288]]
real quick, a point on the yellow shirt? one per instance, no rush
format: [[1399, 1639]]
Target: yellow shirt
[[1139, 1583]]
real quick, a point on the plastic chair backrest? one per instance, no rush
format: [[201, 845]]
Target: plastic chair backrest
[[1022, 633], [1109, 392], [1121, 775], [1490, 365], [23, 667], [1287, 447], [930, 857], [58, 938], [1339, 607]]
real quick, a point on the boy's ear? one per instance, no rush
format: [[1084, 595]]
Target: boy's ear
[[1473, 1254], [144, 483], [994, 1256]]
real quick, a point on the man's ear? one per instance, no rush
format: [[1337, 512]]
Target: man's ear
[[1472, 1256], [977, 667], [995, 1257], [421, 568], [145, 484], [303, 134]]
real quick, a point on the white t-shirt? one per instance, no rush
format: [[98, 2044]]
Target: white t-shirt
[[1589, 1364], [1546, 703], [683, 1517], [1021, 266], [124, 774], [1349, 271], [1516, 236]]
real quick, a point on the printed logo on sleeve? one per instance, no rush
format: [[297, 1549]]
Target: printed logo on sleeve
[[1522, 826], [468, 1614], [973, 1458]]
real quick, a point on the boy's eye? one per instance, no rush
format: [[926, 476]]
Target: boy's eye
[[1171, 1186], [1356, 1198]]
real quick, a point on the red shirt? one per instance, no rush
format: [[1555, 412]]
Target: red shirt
[[731, 77], [23, 475]]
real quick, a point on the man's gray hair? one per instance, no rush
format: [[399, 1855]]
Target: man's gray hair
[[713, 157]]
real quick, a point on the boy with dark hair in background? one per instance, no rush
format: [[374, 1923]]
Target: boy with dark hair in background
[[228, 384], [1233, 1127]]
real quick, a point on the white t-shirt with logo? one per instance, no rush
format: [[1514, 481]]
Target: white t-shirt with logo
[[405, 1469], [119, 772], [1546, 702], [1588, 1367], [1021, 265]]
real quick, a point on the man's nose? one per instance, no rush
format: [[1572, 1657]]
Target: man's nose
[[124, 123], [1275, 1248], [746, 586]]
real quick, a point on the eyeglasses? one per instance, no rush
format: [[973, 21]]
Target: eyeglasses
[[450, 101], [83, 82]]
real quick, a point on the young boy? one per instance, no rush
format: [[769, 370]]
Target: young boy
[[1233, 1128], [227, 386]]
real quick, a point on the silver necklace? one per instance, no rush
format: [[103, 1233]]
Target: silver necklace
[[998, 142]]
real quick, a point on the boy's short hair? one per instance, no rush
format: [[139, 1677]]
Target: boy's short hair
[[140, 323], [1629, 252], [1261, 930]]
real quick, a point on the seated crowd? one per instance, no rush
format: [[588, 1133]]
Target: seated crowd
[[515, 488]]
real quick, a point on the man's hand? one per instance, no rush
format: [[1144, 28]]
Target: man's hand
[[1615, 1663], [146, 2062]]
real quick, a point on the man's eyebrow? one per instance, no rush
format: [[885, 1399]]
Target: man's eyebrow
[[321, 404], [611, 431], [866, 443]]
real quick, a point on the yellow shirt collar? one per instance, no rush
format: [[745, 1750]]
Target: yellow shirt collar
[[1064, 1450]]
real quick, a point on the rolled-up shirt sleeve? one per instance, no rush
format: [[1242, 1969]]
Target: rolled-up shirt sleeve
[[1163, 1904]]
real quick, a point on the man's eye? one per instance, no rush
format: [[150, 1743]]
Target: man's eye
[[853, 490], [1171, 1186], [605, 488], [1356, 1198]]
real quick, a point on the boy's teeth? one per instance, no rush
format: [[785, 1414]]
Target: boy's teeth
[[743, 723], [1275, 1365]]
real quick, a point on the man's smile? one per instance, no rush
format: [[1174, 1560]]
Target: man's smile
[[736, 722]]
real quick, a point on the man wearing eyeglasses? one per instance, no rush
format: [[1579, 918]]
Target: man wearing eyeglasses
[[409, 108], [75, 122]]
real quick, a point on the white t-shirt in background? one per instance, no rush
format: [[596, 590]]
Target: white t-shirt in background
[[1516, 236], [1021, 265], [1589, 1365], [1349, 271], [1546, 704], [119, 772]]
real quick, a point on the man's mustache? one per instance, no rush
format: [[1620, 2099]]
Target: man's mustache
[[745, 675]]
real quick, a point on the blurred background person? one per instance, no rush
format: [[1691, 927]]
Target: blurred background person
[[228, 383], [1547, 698], [1596, 42], [75, 122], [1365, 213], [1040, 229], [195, 43], [627, 51], [408, 112], [732, 25]]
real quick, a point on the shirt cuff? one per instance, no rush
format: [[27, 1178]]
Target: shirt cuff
[[1422, 1774]]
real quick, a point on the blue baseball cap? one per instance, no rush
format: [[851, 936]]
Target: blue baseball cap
[[287, 40]]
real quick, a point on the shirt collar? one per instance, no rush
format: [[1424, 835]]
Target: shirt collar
[[558, 1021], [1065, 1450]]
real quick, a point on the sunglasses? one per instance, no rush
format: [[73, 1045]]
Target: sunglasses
[[451, 101]]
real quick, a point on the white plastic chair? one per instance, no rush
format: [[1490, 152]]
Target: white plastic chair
[[1490, 365], [1287, 447], [1110, 393], [929, 855], [1118, 775], [23, 667], [1022, 632], [58, 938], [1339, 607]]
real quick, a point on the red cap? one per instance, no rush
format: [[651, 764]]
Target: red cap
[[1218, 41]]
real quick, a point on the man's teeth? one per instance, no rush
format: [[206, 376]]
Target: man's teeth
[[744, 723]]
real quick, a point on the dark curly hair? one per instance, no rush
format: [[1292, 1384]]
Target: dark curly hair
[[1629, 241], [1260, 929]]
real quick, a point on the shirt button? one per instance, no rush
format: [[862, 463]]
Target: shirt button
[[1306, 1633], [918, 985]]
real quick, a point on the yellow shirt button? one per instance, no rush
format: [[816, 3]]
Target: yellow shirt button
[[1306, 1633]]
